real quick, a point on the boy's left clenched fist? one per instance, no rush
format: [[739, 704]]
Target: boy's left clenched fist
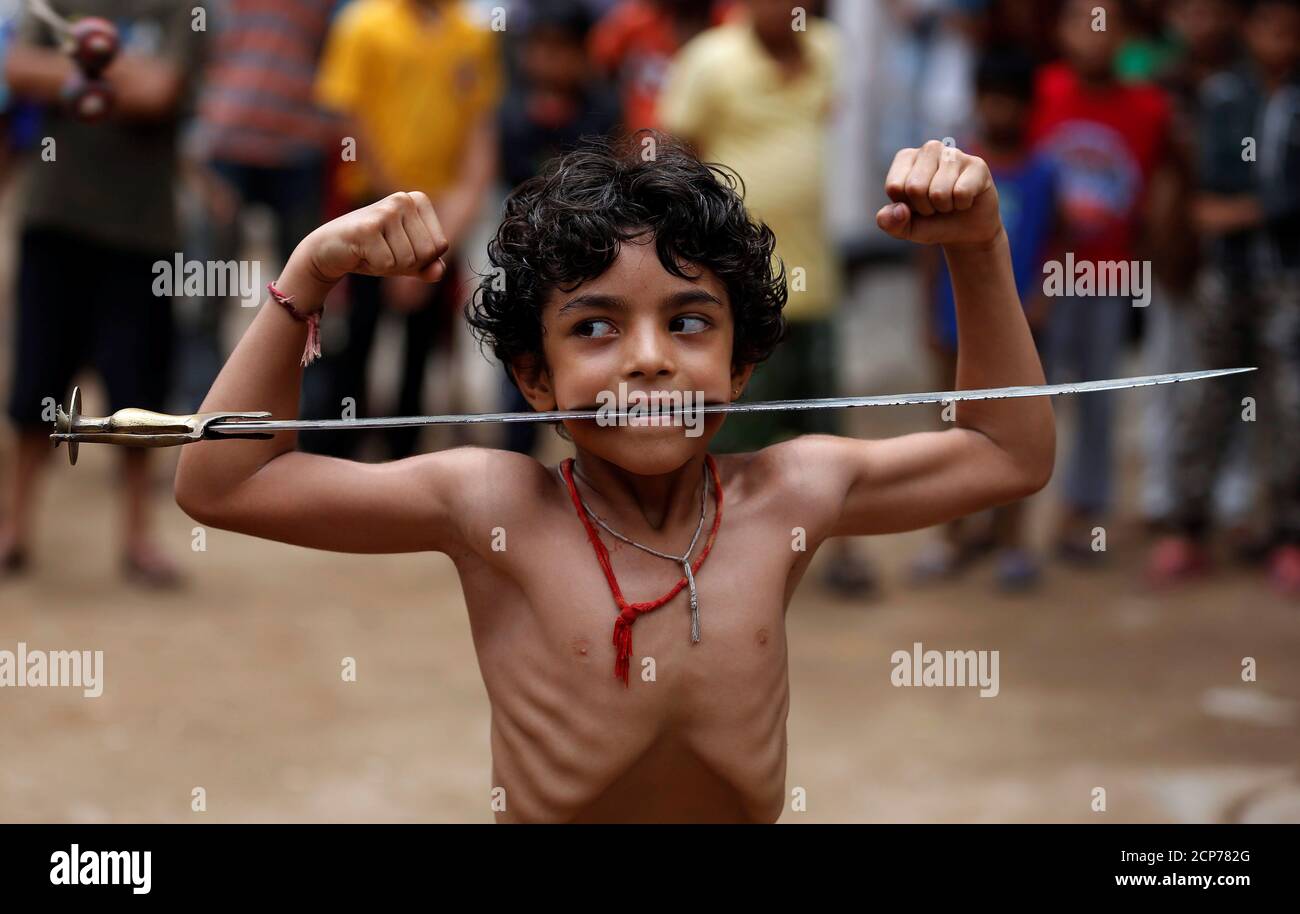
[[942, 196]]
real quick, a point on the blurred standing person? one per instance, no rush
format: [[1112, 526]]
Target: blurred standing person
[[94, 221], [1152, 48], [636, 41], [8, 25], [929, 71], [555, 101], [1248, 302], [258, 125], [557, 98], [1027, 196], [262, 140], [1107, 138], [1028, 26], [756, 95], [1205, 31], [417, 83]]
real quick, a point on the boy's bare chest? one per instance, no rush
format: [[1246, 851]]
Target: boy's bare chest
[[543, 615], [545, 596]]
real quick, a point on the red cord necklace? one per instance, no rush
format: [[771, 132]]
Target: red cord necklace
[[629, 611]]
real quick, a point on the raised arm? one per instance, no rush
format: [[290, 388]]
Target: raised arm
[[269, 489], [997, 450]]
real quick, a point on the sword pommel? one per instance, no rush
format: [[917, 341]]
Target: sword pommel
[[142, 428]]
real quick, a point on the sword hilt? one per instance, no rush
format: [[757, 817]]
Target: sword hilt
[[143, 428]]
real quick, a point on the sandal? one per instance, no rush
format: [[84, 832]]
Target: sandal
[[14, 561]]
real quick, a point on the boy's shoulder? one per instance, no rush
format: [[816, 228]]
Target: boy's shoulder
[[804, 475], [729, 52], [1057, 81], [716, 45], [488, 482], [385, 18], [365, 14], [825, 37]]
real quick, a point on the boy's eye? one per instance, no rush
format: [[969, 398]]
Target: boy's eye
[[592, 328], [689, 324]]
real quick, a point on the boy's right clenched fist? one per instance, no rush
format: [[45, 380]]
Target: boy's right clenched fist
[[397, 236]]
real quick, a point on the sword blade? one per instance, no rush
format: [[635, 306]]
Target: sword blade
[[762, 406]]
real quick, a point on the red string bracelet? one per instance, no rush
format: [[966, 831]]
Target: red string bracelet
[[311, 352]]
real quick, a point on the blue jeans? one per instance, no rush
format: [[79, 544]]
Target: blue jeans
[[1085, 337], [295, 193]]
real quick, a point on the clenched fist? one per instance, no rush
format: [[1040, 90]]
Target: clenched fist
[[941, 196], [398, 236]]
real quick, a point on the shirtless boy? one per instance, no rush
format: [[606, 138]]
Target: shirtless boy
[[610, 269]]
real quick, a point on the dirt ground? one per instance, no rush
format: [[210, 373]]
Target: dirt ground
[[234, 685]]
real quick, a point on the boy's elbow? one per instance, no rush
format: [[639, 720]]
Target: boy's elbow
[[1037, 462], [1025, 463], [188, 501], [1037, 478], [191, 497]]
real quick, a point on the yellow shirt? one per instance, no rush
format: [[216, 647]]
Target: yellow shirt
[[416, 84], [728, 96]]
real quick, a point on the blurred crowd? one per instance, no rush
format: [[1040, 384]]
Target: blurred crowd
[[1160, 132]]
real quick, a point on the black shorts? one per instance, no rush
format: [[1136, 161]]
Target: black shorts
[[81, 303]]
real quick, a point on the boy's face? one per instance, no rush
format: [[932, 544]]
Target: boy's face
[[772, 18], [554, 59], [639, 325], [1089, 49], [1002, 117], [1273, 36], [1204, 25]]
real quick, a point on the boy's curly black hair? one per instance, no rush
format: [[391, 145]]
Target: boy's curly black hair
[[566, 225]]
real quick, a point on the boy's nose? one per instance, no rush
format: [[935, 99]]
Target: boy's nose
[[649, 355]]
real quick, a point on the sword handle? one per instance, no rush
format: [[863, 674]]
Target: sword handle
[[135, 427]]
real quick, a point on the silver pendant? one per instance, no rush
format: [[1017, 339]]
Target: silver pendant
[[695, 603]]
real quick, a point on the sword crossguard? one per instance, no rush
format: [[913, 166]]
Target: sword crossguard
[[143, 428]]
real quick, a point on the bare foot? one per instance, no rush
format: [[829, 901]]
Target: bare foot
[[144, 564], [14, 559]]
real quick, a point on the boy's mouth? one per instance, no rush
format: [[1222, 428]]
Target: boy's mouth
[[650, 408], [661, 414]]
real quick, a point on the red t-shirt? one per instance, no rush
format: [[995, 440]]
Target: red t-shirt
[[1106, 144]]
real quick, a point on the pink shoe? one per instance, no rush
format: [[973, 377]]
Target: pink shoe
[[1284, 570], [1176, 560]]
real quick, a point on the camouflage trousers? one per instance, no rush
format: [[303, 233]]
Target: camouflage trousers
[[1237, 327]]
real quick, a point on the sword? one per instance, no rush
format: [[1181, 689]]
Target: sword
[[143, 428]]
